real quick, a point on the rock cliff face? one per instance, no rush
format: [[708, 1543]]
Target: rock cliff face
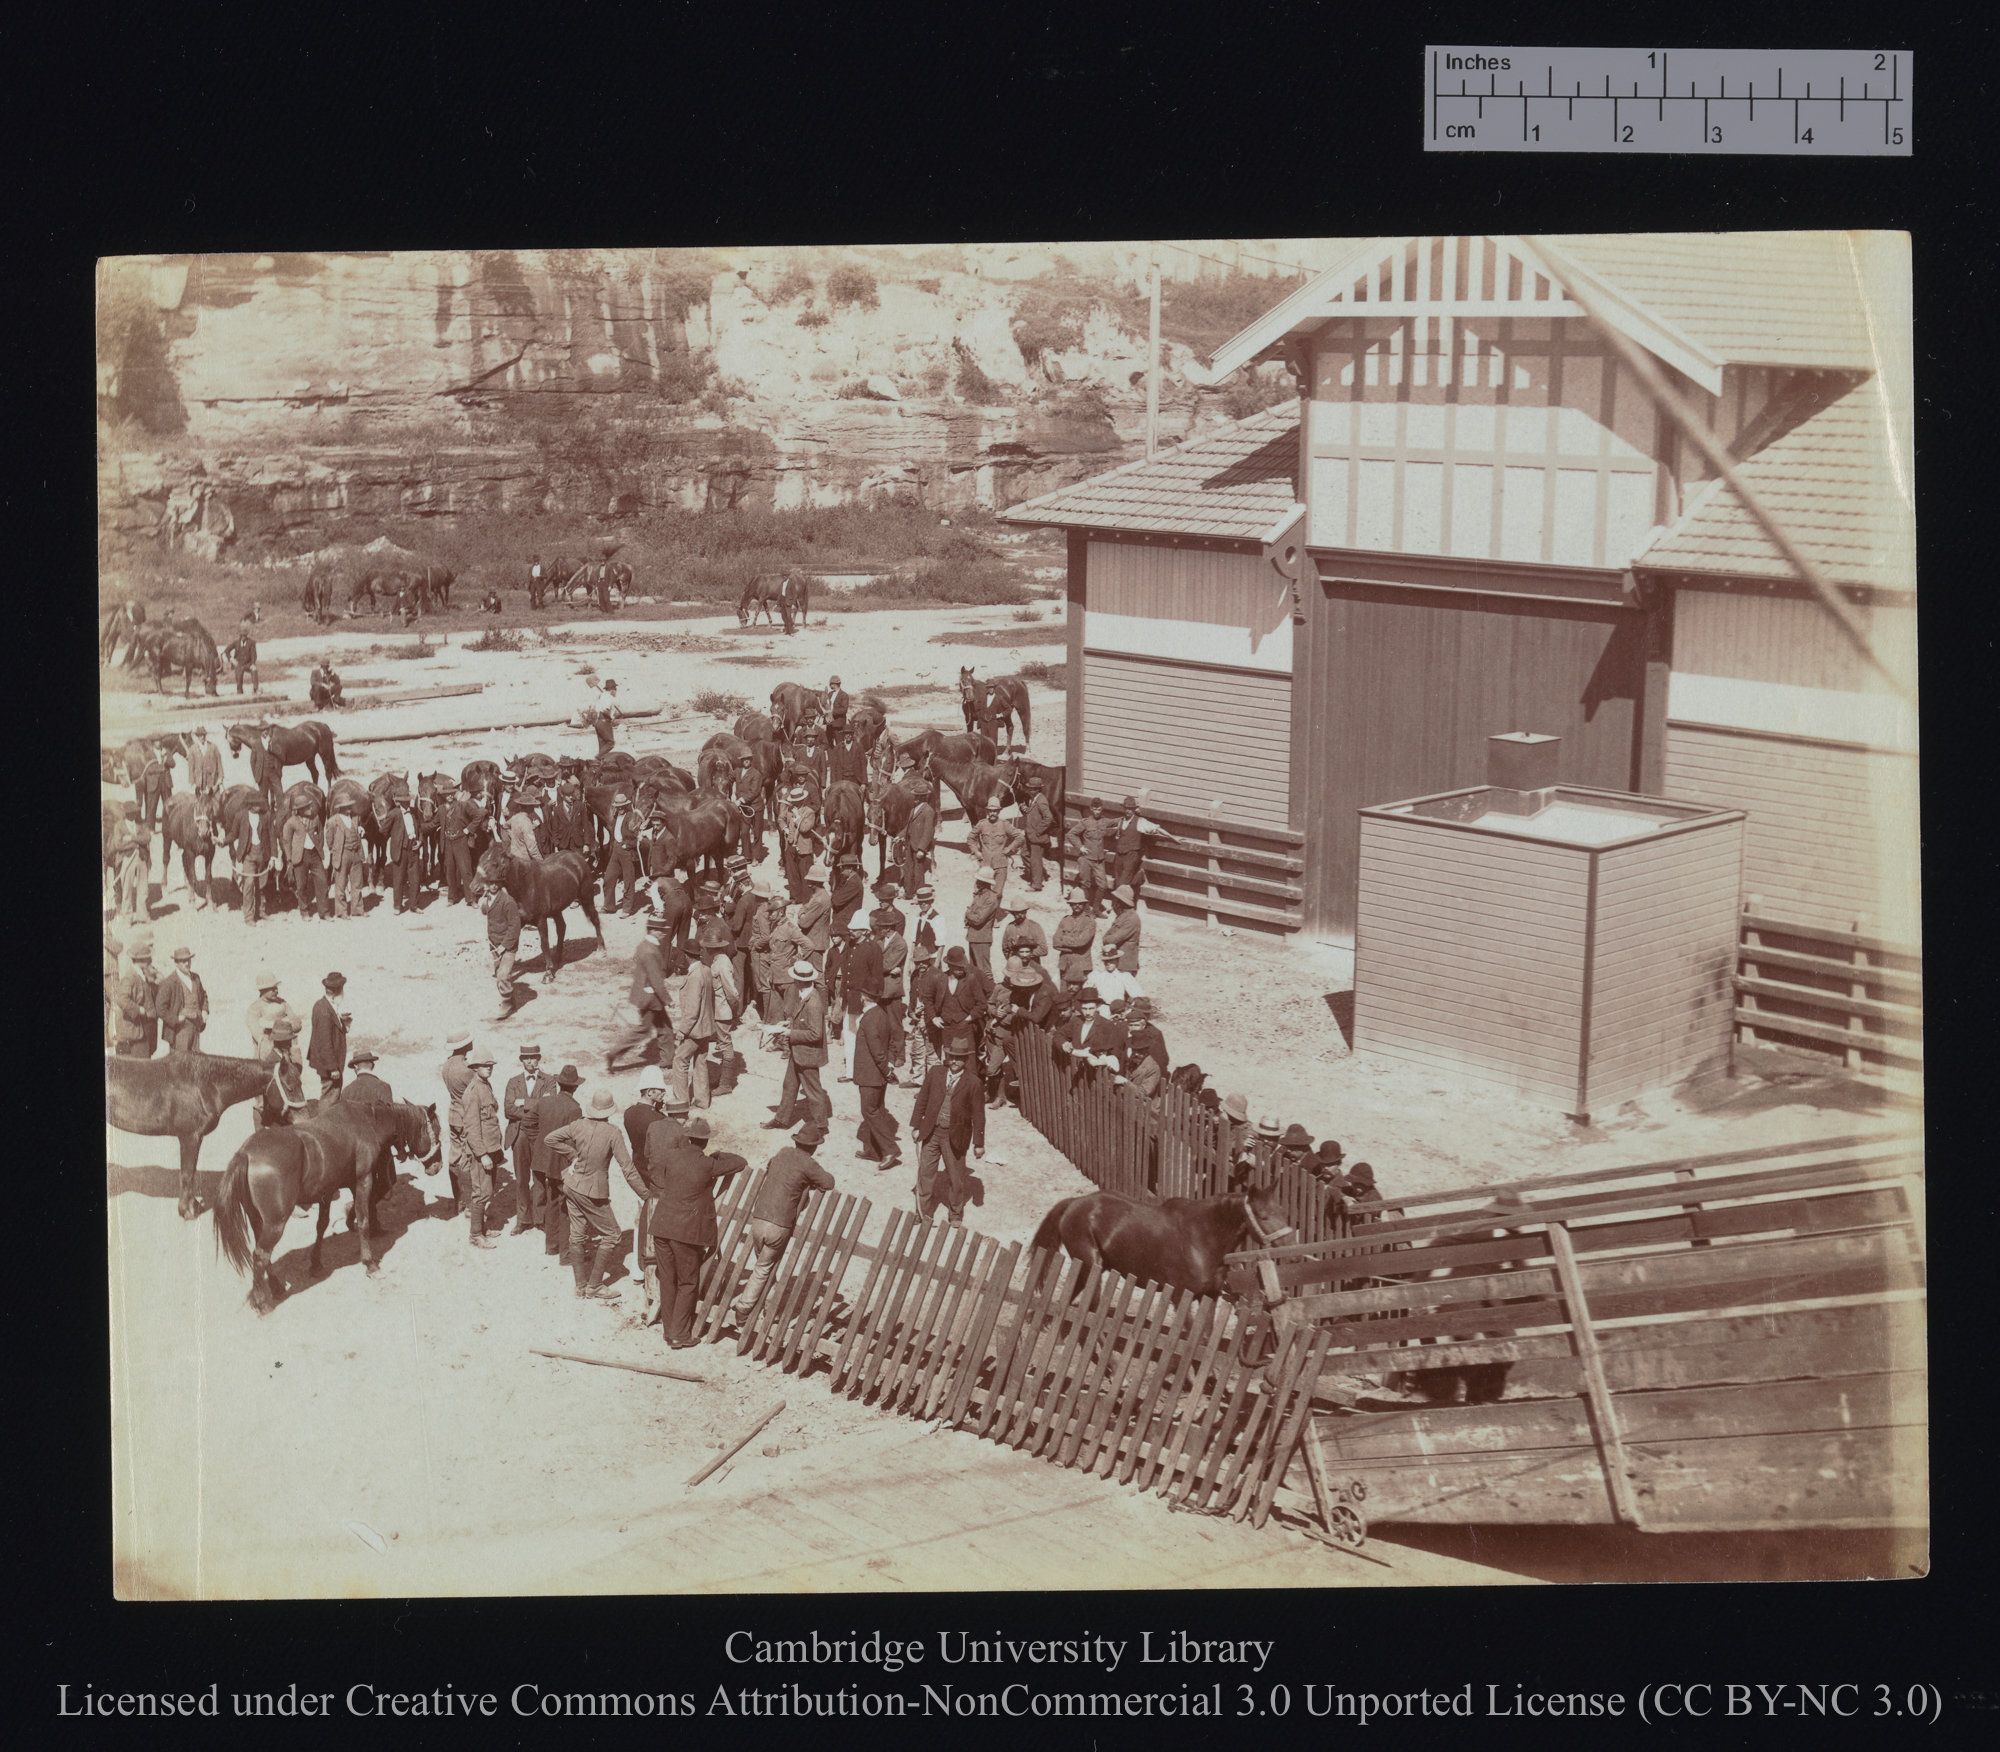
[[249, 401]]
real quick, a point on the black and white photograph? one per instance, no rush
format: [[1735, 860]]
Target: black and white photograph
[[1203, 913]]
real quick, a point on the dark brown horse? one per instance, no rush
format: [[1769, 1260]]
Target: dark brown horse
[[344, 1146], [720, 758], [316, 597], [791, 706], [760, 596], [185, 1094], [973, 782], [186, 647], [755, 727], [544, 888], [277, 746], [1179, 1242], [432, 586], [843, 818], [945, 745], [991, 704], [189, 828], [889, 806], [700, 826]]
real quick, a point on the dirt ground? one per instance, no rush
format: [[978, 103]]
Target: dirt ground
[[408, 1407]]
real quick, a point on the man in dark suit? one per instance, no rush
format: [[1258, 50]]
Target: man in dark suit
[[927, 990], [1095, 1038], [365, 1087], [182, 1004], [403, 855], [327, 1052], [860, 985], [517, 1108], [967, 993], [684, 1227], [950, 1115], [874, 1048], [554, 1109]]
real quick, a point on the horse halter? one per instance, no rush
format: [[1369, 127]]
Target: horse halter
[[278, 1083], [1265, 1238], [426, 1157]]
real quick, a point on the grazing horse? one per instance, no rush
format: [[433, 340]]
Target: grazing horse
[[189, 828], [544, 888], [344, 1145], [794, 598], [1179, 1242], [185, 1094], [188, 648], [760, 594], [791, 705], [991, 704], [844, 817]]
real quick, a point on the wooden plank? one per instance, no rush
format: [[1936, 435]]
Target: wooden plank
[[1902, 1014], [789, 1301], [1077, 804], [884, 1355], [936, 1374], [1071, 1361], [925, 1336], [1847, 941], [1193, 1318], [1199, 854], [979, 1351], [1012, 1369], [1261, 915], [1158, 871], [1238, 1483], [859, 1315], [1082, 1445], [1297, 1422], [805, 1351], [1603, 1414], [1186, 1428], [1887, 1045], [1208, 1441]]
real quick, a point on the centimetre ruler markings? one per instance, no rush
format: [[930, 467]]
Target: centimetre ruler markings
[[1830, 102]]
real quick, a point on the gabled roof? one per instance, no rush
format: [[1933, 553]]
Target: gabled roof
[[1238, 485], [1838, 484], [1699, 300]]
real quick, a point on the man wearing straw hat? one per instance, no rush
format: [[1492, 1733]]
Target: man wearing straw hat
[[805, 1041], [586, 1146]]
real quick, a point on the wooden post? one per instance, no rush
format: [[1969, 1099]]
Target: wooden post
[[1597, 1389], [1858, 989], [1214, 863], [1744, 965]]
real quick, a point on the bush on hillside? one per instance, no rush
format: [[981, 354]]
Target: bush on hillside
[[982, 583], [794, 282], [850, 284], [813, 319]]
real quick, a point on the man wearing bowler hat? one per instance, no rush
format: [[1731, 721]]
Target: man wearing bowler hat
[[517, 1108], [136, 1000], [684, 1226], [949, 1118], [327, 1052], [364, 1087], [554, 1108], [183, 1004]]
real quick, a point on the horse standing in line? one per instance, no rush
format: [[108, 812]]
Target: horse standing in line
[[344, 1146], [276, 746], [544, 888], [991, 704], [189, 828], [889, 806], [791, 705], [185, 1094]]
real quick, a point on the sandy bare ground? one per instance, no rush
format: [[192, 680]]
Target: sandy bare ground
[[409, 1405]]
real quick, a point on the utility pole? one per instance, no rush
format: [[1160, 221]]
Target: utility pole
[[1153, 363]]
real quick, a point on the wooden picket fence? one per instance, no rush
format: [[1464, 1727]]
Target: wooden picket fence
[[1169, 1147], [1088, 1370]]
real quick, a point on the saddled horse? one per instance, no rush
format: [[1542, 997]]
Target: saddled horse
[[544, 888], [189, 828], [991, 704], [184, 1095], [274, 747], [344, 1146], [791, 706], [1179, 1242]]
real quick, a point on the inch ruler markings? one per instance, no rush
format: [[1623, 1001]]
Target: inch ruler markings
[[1800, 102]]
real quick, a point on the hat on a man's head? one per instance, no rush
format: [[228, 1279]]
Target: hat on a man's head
[[1019, 904], [1237, 1107], [816, 872], [335, 982], [567, 1078], [954, 958], [142, 951], [1123, 893], [528, 1052], [959, 1046], [983, 874], [201, 730], [1140, 1008], [1363, 1175], [802, 969], [713, 936], [284, 1029], [696, 1128], [1296, 1138], [1267, 1126], [365, 1056], [459, 1042], [267, 981], [651, 1078], [925, 891], [886, 890], [602, 1101], [482, 1057], [183, 953], [1074, 896], [736, 861], [677, 1102], [1130, 803], [619, 801], [1330, 1153]]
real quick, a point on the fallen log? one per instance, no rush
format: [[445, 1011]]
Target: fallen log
[[736, 1447], [613, 1363]]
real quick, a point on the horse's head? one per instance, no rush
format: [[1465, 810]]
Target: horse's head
[[427, 1149], [1263, 1208], [289, 1082], [965, 684]]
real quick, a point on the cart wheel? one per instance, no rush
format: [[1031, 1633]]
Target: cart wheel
[[1347, 1526], [1357, 1492]]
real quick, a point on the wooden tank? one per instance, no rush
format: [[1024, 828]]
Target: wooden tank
[[1570, 946]]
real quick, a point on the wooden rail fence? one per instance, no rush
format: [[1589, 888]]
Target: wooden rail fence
[[1224, 871], [1800, 985]]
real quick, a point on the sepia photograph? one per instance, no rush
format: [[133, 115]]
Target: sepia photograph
[[917, 918]]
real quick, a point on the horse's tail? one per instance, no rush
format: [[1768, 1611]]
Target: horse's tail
[[232, 1211], [326, 753], [1048, 1241], [1027, 717]]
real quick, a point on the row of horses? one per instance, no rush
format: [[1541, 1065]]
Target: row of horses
[[408, 590]]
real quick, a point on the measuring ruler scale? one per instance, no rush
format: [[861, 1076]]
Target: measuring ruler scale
[[1802, 102]]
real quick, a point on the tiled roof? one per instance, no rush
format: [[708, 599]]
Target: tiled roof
[[1750, 297], [1833, 485], [1236, 485]]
